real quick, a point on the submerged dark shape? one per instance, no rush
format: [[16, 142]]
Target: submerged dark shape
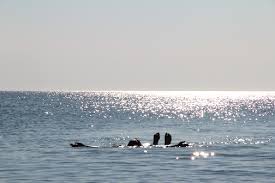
[[78, 144], [180, 144], [134, 142]]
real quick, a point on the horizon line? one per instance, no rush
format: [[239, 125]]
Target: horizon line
[[64, 90]]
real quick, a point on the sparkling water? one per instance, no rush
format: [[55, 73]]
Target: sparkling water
[[231, 136]]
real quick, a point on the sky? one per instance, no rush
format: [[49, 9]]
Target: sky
[[137, 45]]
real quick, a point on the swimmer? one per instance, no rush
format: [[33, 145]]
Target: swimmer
[[167, 141], [136, 142]]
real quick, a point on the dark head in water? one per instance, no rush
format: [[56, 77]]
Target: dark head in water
[[134, 142]]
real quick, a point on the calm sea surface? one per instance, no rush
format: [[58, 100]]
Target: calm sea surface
[[232, 136]]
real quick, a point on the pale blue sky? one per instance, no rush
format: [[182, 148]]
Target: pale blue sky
[[137, 45]]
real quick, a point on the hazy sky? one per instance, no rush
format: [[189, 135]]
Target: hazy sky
[[137, 45]]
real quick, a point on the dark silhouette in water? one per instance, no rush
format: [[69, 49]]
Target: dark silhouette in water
[[78, 144], [156, 139], [180, 144], [167, 139], [137, 143], [134, 142]]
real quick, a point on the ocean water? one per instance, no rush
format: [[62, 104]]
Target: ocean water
[[231, 136]]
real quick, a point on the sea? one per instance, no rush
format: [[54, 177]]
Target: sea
[[231, 136]]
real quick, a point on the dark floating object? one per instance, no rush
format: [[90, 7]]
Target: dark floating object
[[180, 144], [156, 139], [78, 144], [167, 139], [134, 142]]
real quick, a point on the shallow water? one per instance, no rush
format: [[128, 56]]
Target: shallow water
[[232, 136]]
